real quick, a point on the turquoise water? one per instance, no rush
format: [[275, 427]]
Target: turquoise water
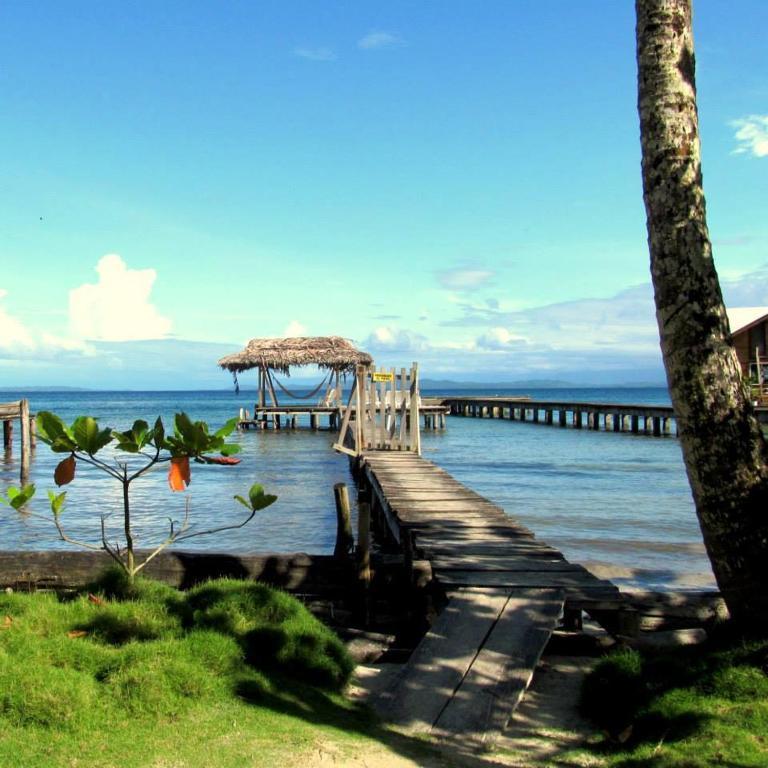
[[614, 498]]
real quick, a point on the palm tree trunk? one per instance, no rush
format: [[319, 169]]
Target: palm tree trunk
[[723, 446]]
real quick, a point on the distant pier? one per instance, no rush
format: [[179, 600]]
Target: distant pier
[[652, 420]]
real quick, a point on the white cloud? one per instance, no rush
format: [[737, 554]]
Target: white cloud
[[315, 54], [377, 39], [295, 328], [752, 135], [118, 307], [14, 336], [19, 343], [750, 289], [391, 340], [461, 279], [498, 338]]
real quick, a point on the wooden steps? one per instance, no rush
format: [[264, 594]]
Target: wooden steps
[[506, 590], [471, 669]]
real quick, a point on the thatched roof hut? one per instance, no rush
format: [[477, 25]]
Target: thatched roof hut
[[328, 352]]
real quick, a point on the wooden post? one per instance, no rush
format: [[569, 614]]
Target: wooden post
[[359, 409], [415, 401], [8, 434], [262, 384], [656, 426], [337, 389], [563, 417], [635, 423], [548, 416], [313, 421], [25, 440], [271, 386], [364, 555], [344, 539]]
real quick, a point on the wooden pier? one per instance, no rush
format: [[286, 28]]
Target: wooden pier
[[9, 414], [507, 591], [653, 420], [315, 417]]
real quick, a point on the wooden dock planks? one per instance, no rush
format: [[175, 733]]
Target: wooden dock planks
[[503, 668], [506, 589], [441, 660]]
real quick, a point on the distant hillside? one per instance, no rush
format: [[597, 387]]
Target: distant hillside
[[530, 383], [46, 389]]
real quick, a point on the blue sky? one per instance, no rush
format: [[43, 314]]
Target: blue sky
[[456, 183]]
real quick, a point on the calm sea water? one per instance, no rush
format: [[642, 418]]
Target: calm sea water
[[612, 498]]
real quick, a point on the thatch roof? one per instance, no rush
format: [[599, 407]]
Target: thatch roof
[[279, 354]]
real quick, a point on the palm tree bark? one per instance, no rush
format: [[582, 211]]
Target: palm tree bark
[[723, 446]]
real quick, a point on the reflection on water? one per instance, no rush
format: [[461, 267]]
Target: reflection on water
[[616, 498]]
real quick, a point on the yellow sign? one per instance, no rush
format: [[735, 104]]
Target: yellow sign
[[383, 376]]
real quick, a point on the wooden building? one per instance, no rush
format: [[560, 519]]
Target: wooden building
[[749, 331]]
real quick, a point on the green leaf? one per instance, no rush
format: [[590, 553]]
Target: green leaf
[[230, 449], [159, 434], [17, 498], [134, 439], [90, 439], [57, 501], [242, 501], [259, 499], [51, 430], [193, 436], [226, 429]]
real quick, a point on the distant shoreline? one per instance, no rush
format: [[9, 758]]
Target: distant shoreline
[[431, 384]]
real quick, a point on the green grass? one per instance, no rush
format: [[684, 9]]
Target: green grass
[[230, 673], [695, 706]]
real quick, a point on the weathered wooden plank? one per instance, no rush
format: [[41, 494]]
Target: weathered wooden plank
[[460, 562], [503, 668], [456, 578], [440, 661], [521, 547], [458, 505], [487, 526]]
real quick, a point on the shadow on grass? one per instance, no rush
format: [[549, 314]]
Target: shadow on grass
[[675, 697]]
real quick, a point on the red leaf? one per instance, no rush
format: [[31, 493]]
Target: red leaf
[[77, 633], [95, 599], [178, 474], [225, 460], [65, 471]]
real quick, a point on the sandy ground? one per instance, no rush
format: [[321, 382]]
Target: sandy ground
[[545, 729]]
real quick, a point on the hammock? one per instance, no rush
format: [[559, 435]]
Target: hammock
[[326, 380]]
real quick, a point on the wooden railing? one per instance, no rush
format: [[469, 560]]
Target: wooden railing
[[382, 412]]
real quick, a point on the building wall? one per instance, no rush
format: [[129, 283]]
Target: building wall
[[749, 340]]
